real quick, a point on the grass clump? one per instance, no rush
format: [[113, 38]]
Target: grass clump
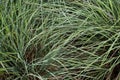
[[59, 40]]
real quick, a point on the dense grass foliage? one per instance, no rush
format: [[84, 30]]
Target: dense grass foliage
[[59, 39]]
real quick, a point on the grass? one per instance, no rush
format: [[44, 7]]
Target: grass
[[59, 40]]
